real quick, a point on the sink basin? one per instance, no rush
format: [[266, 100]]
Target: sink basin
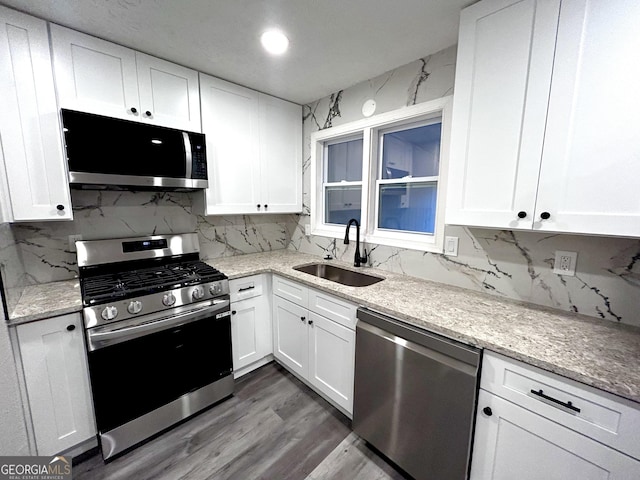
[[338, 275]]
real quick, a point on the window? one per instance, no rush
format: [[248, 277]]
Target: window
[[407, 180], [342, 181], [387, 172]]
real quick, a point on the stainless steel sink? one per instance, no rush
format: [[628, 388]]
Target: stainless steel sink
[[338, 275]]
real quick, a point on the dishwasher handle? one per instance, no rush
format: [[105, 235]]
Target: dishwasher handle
[[463, 353]]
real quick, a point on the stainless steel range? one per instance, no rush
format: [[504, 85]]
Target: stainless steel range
[[158, 334]]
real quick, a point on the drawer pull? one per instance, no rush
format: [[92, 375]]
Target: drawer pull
[[568, 404], [246, 288]]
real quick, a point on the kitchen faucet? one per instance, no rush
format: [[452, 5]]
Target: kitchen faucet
[[357, 258]]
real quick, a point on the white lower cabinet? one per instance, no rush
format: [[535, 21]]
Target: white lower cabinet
[[320, 349], [539, 438], [290, 341], [331, 359], [56, 374], [251, 335]]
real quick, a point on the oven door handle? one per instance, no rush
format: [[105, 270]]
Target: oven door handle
[[101, 337]]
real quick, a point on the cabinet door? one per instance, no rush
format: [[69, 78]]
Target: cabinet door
[[57, 379], [250, 331], [290, 342], [30, 134], [513, 442], [503, 77], [331, 360], [94, 75], [169, 94], [590, 172], [280, 155], [230, 123]]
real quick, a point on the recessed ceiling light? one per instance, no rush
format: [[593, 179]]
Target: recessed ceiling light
[[274, 41]]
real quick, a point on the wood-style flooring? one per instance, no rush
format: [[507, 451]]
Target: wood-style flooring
[[274, 427]]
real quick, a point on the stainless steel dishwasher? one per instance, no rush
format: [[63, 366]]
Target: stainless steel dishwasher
[[415, 396]]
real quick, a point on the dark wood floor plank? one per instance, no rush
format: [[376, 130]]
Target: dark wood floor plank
[[354, 460], [274, 427]]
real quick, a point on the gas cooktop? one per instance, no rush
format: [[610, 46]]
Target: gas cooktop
[[132, 283]]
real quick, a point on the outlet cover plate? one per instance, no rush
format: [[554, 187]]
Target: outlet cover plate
[[565, 263], [451, 246]]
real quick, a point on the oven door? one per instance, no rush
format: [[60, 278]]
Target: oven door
[[137, 367]]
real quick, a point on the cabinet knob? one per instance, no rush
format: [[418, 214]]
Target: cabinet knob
[[522, 214], [266, 206], [258, 205], [60, 207], [310, 322], [545, 215], [147, 113], [233, 312], [134, 110], [71, 328], [303, 319], [487, 411]]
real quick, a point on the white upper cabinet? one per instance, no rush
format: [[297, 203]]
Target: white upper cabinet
[[35, 186], [543, 124], [169, 93], [590, 174], [96, 76], [254, 150], [503, 76], [230, 125], [280, 127]]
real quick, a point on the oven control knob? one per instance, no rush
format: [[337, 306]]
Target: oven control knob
[[109, 313], [215, 289], [168, 299], [134, 307], [198, 293]]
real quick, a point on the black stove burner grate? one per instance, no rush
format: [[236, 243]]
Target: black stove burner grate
[[103, 288]]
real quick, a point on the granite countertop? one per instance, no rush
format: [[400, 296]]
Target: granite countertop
[[47, 300], [596, 352]]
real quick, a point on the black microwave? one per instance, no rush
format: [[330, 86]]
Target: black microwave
[[105, 152]]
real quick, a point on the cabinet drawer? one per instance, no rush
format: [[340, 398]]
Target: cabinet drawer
[[334, 308], [292, 291], [513, 443], [611, 420], [247, 287]]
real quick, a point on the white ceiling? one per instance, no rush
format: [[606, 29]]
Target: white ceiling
[[333, 43]]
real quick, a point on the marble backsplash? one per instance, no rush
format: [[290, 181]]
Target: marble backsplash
[[11, 267], [516, 265], [33, 253]]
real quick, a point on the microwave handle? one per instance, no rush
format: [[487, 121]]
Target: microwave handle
[[187, 155]]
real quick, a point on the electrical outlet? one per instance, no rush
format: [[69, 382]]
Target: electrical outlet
[[307, 229], [565, 263], [72, 241], [451, 246]]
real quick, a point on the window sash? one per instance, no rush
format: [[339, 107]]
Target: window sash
[[397, 232]]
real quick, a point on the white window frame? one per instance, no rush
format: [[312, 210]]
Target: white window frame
[[370, 129], [324, 172]]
